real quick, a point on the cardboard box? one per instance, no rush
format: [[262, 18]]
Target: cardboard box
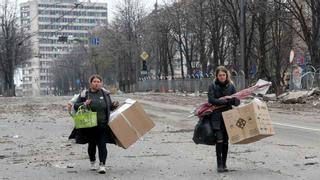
[[129, 123], [248, 123]]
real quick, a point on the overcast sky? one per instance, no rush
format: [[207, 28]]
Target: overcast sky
[[149, 5], [112, 4]]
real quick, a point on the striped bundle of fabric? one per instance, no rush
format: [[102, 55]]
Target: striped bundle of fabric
[[243, 94], [207, 108]]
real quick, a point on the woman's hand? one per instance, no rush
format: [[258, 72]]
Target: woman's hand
[[87, 102], [69, 107], [226, 97], [115, 104]]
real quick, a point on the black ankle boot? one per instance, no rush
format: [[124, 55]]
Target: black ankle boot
[[220, 165], [224, 167], [224, 157], [219, 147]]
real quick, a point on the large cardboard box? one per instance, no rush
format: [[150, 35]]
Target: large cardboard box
[[248, 123], [129, 123]]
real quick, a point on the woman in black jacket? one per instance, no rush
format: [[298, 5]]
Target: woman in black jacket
[[219, 94], [98, 100]]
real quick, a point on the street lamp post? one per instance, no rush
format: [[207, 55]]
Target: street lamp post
[[243, 40]]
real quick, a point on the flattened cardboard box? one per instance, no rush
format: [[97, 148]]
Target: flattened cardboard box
[[129, 123], [248, 123]]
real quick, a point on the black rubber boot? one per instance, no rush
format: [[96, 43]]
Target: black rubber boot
[[219, 148], [224, 157]]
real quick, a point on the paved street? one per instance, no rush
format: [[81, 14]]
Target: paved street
[[171, 56], [34, 145]]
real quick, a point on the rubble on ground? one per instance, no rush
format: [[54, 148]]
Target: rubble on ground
[[269, 97], [295, 97]]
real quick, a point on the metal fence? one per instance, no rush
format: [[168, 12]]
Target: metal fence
[[182, 85], [310, 80]]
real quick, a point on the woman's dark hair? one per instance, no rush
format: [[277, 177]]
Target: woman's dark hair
[[94, 77]]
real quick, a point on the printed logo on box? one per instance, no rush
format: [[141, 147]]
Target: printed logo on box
[[241, 123]]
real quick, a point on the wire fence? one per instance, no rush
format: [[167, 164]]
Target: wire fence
[[310, 80], [182, 85]]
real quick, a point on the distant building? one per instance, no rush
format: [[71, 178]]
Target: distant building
[[53, 26]]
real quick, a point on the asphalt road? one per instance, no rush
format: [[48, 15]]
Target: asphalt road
[[34, 145]]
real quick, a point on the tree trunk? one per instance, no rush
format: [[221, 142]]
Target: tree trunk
[[202, 39], [9, 88], [170, 58], [262, 52], [181, 59]]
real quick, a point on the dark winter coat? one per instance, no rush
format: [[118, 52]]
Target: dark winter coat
[[85, 135], [216, 91]]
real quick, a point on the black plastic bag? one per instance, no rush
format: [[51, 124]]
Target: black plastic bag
[[204, 133]]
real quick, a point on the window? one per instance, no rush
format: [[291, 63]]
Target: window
[[44, 70], [26, 28], [27, 64], [26, 72], [25, 8], [43, 85], [45, 63], [46, 48], [25, 22], [43, 78], [27, 86], [27, 79], [25, 14]]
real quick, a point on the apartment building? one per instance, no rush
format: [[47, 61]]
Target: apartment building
[[53, 26]]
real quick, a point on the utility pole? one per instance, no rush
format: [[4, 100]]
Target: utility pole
[[243, 41]]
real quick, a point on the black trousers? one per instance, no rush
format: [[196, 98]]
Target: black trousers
[[222, 136], [98, 140]]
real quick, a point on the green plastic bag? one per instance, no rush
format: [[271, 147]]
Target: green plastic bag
[[85, 118]]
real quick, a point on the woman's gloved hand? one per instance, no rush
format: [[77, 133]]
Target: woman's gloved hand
[[115, 104]]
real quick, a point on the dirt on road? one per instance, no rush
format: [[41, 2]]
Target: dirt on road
[[34, 145]]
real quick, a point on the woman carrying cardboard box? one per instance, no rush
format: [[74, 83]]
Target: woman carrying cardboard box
[[219, 94], [98, 100]]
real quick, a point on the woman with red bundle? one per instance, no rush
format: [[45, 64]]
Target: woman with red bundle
[[219, 94]]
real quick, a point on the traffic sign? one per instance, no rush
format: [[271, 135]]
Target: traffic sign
[[95, 40], [144, 55]]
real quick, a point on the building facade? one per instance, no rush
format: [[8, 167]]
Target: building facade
[[53, 26]]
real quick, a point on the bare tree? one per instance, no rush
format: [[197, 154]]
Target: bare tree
[[176, 31], [220, 40], [13, 50], [199, 32], [232, 11], [282, 36], [70, 73], [184, 33], [128, 24], [104, 56], [307, 14], [198, 18], [263, 37]]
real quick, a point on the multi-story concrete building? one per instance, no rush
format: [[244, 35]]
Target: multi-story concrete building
[[53, 25]]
